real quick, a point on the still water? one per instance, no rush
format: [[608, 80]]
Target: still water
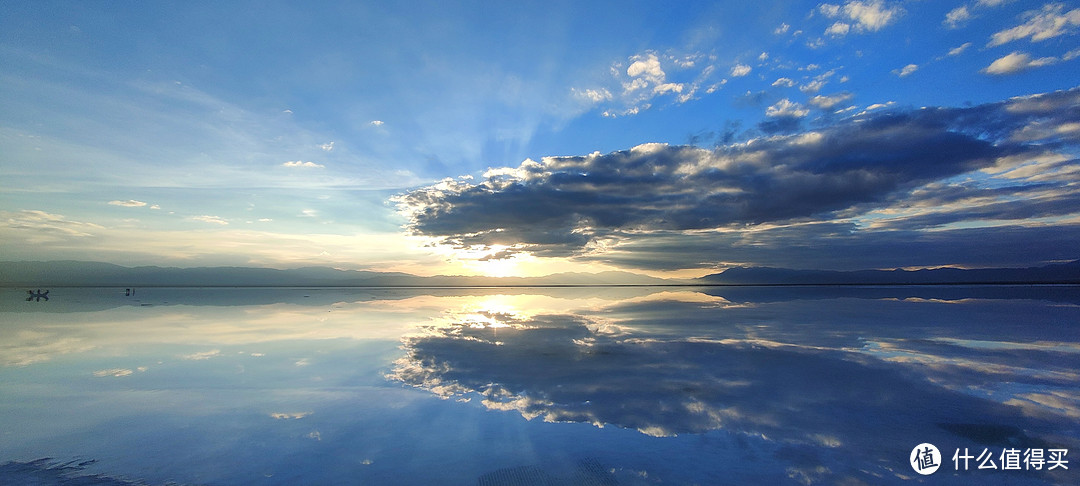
[[599, 385]]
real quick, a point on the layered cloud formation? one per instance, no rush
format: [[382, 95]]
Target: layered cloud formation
[[930, 179]]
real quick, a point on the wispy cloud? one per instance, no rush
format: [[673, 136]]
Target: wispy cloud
[[43, 226], [130, 203], [906, 70], [300, 164], [1051, 21], [210, 219]]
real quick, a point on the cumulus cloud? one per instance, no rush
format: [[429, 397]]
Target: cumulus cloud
[[589, 206], [328, 147], [649, 75], [1016, 62], [786, 108], [784, 82], [906, 70], [740, 70], [869, 16], [1051, 21], [130, 203], [300, 164]]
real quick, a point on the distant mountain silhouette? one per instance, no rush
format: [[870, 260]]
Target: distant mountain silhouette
[[96, 274], [1060, 273]]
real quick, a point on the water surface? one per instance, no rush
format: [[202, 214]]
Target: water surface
[[601, 385]]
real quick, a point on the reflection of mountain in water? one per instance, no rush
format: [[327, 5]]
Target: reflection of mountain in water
[[571, 368]]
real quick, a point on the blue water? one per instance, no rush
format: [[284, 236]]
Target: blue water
[[600, 385]]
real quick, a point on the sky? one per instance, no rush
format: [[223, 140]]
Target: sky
[[527, 138]]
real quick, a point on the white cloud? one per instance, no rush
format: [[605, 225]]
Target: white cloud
[[298, 163], [868, 16], [377, 123], [828, 102], [203, 355], [40, 226], [813, 86], [782, 29], [785, 82], [327, 146], [289, 415], [763, 57], [838, 29], [130, 203], [593, 95], [957, 16], [740, 70], [786, 108], [956, 51], [210, 219], [1016, 62], [647, 67], [906, 70], [992, 3], [1051, 21]]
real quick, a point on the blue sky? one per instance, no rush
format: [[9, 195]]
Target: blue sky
[[524, 138]]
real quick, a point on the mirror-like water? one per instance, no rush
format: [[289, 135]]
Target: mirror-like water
[[540, 386]]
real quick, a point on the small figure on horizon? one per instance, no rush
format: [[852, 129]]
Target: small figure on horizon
[[37, 296]]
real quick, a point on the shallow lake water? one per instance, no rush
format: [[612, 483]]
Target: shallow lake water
[[594, 385]]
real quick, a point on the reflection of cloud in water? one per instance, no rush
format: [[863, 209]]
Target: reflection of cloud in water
[[573, 368]]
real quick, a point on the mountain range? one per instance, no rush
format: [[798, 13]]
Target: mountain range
[[97, 274]]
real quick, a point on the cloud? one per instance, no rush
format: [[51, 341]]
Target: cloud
[[377, 123], [869, 16], [957, 16], [785, 82], [210, 219], [828, 102], [956, 51], [328, 147], [906, 70], [40, 226], [130, 203], [1051, 21], [786, 108], [309, 165], [857, 167], [740, 70], [649, 75], [646, 67], [1016, 62], [793, 381]]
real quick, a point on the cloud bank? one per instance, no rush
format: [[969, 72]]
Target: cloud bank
[[934, 175]]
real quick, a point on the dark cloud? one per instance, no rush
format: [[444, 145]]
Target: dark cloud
[[898, 160]]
